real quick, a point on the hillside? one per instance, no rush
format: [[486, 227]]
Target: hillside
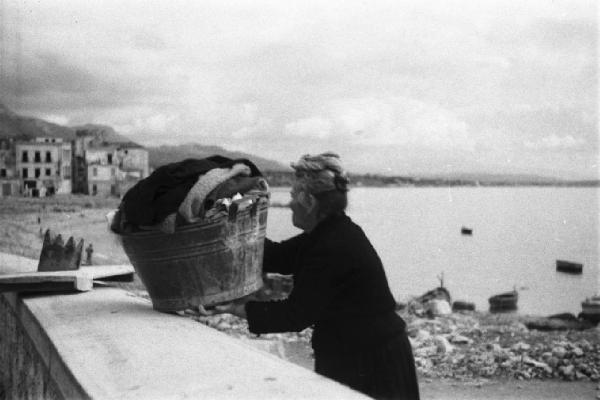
[[166, 154], [106, 133], [19, 127], [493, 178], [13, 125]]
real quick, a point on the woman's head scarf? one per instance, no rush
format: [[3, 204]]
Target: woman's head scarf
[[321, 173]]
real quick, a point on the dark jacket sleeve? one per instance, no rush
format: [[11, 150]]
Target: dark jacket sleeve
[[280, 257], [314, 287]]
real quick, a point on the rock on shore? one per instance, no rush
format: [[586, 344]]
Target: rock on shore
[[462, 346], [471, 345]]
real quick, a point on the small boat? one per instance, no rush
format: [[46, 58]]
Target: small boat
[[569, 267], [466, 231], [460, 305], [590, 309], [504, 301]]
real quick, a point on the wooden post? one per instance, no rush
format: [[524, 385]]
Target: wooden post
[[56, 256]]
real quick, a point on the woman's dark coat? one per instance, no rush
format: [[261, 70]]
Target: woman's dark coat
[[340, 289]]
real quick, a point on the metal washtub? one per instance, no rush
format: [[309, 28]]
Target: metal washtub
[[202, 263]]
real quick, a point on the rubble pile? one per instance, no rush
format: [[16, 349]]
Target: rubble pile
[[238, 328], [461, 345], [470, 345]]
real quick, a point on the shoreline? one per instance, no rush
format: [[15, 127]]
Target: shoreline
[[462, 347], [445, 347]]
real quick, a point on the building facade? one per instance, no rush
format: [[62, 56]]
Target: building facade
[[44, 166], [9, 182], [103, 173], [106, 168], [88, 165], [134, 160]]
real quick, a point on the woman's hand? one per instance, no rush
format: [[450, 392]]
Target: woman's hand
[[236, 308]]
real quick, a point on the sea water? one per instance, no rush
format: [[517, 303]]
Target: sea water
[[518, 233]]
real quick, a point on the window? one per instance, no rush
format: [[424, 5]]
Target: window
[[2, 173], [48, 156], [67, 172], [25, 173], [94, 189], [94, 171], [109, 158], [48, 171], [38, 157], [112, 172], [25, 156], [37, 172]]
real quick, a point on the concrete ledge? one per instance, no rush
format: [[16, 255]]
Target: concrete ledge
[[109, 344]]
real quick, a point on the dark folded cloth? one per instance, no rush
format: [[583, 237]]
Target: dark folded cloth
[[150, 200]]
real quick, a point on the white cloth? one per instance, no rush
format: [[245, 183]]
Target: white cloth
[[192, 206]]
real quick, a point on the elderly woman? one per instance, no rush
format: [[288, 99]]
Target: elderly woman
[[340, 289]]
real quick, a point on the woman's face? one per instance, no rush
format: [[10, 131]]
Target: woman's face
[[300, 210]]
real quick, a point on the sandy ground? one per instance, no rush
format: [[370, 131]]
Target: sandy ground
[[441, 389], [530, 390], [85, 218], [23, 233]]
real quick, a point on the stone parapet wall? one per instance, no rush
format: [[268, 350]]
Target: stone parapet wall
[[108, 343], [23, 373]]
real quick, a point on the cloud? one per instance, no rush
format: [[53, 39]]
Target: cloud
[[566, 35], [153, 123], [56, 119], [45, 74], [431, 80], [401, 121], [555, 142], [387, 121], [314, 127], [258, 129], [49, 81], [537, 126], [148, 41]]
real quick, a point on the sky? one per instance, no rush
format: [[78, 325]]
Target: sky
[[395, 87]]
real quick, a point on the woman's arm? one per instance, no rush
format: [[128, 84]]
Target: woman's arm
[[314, 287], [281, 257], [309, 297]]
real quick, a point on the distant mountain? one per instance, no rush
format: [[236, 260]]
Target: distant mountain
[[162, 155], [19, 127], [16, 126], [103, 133], [494, 178]]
